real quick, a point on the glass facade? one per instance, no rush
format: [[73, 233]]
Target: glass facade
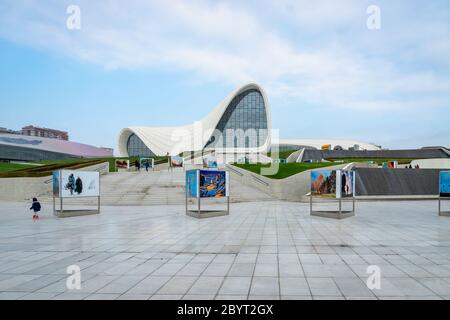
[[244, 123], [136, 148]]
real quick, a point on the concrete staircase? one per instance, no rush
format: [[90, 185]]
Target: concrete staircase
[[161, 187]]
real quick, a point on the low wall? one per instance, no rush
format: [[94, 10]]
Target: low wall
[[371, 183], [397, 182], [19, 189], [318, 155], [432, 163]]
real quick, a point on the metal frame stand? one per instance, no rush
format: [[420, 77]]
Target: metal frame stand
[[442, 213], [199, 213], [61, 213], [339, 214]]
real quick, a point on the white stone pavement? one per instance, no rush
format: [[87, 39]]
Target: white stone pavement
[[262, 250]]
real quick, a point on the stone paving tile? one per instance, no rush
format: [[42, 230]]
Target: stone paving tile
[[266, 270], [168, 269], [206, 286], [177, 285], [102, 296], [323, 287], [230, 297], [242, 270], [149, 285], [71, 296], [264, 297], [261, 250], [198, 297], [217, 269], [290, 270], [38, 296], [438, 286], [192, 269], [294, 287], [235, 286], [353, 287], [166, 297], [36, 284], [120, 285], [10, 295], [128, 296], [265, 286], [296, 297]]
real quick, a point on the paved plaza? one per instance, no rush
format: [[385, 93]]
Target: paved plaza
[[262, 250]]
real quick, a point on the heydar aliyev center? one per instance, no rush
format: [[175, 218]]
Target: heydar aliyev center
[[239, 125]]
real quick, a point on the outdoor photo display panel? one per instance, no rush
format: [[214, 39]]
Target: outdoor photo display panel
[[323, 183], [213, 184], [176, 161], [345, 184], [79, 184], [192, 181], [444, 184], [122, 164], [147, 161], [210, 162], [56, 183], [333, 183]]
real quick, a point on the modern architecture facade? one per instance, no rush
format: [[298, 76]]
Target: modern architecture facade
[[240, 124], [14, 147]]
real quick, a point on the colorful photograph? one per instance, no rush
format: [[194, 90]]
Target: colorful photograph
[[122, 164], [323, 183], [347, 184], [56, 182], [212, 184], [176, 161], [210, 162], [191, 184], [392, 164], [80, 184], [444, 184], [146, 163]]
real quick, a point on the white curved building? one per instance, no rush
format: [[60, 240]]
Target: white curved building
[[240, 124]]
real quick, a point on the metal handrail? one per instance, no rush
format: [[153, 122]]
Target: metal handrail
[[253, 176], [234, 170], [260, 180]]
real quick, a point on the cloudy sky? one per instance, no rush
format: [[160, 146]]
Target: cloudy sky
[[162, 63]]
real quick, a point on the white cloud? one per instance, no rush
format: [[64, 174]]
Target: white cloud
[[235, 42]]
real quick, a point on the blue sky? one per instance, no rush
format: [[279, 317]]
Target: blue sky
[[162, 63]]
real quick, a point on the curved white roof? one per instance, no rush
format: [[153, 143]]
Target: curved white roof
[[194, 137]]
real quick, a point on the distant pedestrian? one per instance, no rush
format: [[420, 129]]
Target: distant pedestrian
[[36, 207], [147, 165], [138, 165]]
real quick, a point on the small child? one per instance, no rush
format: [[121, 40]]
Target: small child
[[36, 207]]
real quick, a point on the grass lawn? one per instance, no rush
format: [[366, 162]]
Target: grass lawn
[[48, 166], [282, 154], [285, 169], [7, 167]]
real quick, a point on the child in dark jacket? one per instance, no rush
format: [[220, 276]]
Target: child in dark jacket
[[36, 207]]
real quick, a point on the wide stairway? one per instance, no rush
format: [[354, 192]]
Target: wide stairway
[[158, 188]]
